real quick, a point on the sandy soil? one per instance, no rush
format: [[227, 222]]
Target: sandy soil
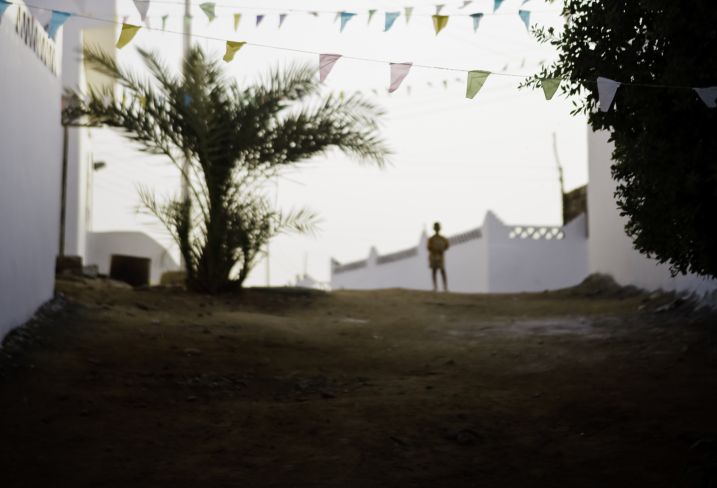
[[282, 388]]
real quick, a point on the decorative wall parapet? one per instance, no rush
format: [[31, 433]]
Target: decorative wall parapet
[[536, 233]]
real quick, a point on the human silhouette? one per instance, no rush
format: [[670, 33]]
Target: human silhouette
[[437, 246]]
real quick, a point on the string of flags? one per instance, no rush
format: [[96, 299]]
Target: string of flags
[[344, 17], [607, 88]]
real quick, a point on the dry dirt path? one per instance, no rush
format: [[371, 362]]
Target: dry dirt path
[[389, 388]]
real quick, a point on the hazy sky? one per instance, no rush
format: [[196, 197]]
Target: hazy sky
[[454, 158]]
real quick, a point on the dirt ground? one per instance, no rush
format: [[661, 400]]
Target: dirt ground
[[284, 388]]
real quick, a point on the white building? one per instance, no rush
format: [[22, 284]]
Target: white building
[[30, 165], [36, 70], [610, 249], [494, 257]]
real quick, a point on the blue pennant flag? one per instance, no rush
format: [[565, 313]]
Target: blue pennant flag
[[3, 6], [259, 18], [497, 4], [390, 19], [525, 17], [345, 17], [476, 20], [58, 18]]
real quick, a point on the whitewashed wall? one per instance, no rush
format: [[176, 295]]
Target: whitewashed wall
[[535, 258], [101, 246], [494, 258], [30, 169], [610, 249]]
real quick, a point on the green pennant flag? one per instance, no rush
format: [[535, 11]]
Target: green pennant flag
[[237, 19], [408, 11], [550, 86], [439, 22], [371, 13], [208, 9], [164, 21], [476, 79], [127, 34], [232, 48]]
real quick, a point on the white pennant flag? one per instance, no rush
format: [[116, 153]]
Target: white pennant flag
[[398, 72], [606, 91], [708, 95], [326, 63], [142, 8]]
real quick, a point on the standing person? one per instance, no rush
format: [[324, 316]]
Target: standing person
[[437, 246]]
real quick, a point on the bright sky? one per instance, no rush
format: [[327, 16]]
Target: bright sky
[[454, 158]]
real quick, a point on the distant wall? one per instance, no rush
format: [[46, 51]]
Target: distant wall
[[610, 249], [493, 258], [30, 166], [101, 246]]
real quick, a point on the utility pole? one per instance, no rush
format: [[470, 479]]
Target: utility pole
[[561, 180]]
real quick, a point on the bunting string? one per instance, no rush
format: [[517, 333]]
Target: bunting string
[[607, 88]]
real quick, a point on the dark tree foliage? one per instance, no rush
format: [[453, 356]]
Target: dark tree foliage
[[665, 137], [228, 140]]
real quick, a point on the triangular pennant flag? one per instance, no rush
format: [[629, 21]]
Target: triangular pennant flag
[[345, 17], [398, 73], [164, 21], [326, 63], [408, 11], [3, 6], [606, 91], [439, 7], [476, 20], [58, 18], [208, 9], [314, 14], [337, 16], [237, 19], [445, 84], [476, 78], [525, 17], [708, 95], [232, 48], [259, 18], [497, 4], [282, 18], [389, 20], [466, 3], [371, 13], [524, 2], [127, 34], [142, 8], [550, 86], [439, 22]]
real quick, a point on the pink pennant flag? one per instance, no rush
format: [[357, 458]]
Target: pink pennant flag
[[326, 63], [398, 72]]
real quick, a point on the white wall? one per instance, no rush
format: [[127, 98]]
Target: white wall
[[30, 173], [610, 249], [503, 259], [101, 246], [518, 264]]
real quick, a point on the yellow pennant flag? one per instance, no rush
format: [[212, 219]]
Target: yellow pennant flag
[[439, 22], [232, 48], [127, 34], [476, 79], [237, 19]]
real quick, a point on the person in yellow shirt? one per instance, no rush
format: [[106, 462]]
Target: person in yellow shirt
[[437, 246]]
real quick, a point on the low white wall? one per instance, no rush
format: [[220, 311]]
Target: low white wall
[[494, 258], [610, 249], [102, 245], [535, 258], [30, 167]]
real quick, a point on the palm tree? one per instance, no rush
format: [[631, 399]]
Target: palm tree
[[234, 138]]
